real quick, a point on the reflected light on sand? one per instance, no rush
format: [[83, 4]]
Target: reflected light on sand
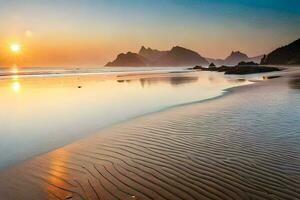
[[16, 86], [57, 172]]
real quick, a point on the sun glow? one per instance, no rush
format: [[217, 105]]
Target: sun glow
[[16, 86], [15, 48]]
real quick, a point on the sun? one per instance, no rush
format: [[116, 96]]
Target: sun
[[15, 48]]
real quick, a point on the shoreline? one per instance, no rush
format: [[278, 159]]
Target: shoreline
[[226, 92], [100, 71], [99, 124], [112, 155]]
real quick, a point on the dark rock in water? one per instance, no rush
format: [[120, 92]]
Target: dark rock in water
[[251, 63], [223, 68], [287, 55], [197, 67], [239, 70], [128, 60], [200, 68], [212, 68], [212, 65], [270, 77]]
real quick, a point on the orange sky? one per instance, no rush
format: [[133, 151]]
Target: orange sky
[[91, 33]]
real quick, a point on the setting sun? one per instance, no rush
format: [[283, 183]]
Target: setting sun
[[15, 47]]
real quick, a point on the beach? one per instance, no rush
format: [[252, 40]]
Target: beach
[[150, 100], [242, 145]]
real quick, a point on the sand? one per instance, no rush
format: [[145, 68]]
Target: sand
[[243, 145]]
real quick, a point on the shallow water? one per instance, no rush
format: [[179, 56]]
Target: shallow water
[[42, 113], [59, 71]]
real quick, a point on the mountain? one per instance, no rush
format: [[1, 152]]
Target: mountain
[[151, 54], [179, 56], [287, 55], [129, 60], [234, 58]]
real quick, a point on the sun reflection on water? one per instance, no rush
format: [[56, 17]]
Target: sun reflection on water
[[14, 70], [16, 86]]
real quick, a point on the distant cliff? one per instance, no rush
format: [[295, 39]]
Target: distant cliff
[[177, 56], [129, 59], [151, 55], [287, 55], [234, 58]]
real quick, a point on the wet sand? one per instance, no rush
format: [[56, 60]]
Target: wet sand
[[244, 145]]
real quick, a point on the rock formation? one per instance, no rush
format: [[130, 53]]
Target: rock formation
[[177, 56], [287, 55], [128, 60]]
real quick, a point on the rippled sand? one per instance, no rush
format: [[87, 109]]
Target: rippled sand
[[245, 145]]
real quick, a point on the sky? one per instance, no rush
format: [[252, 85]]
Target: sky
[[92, 32]]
